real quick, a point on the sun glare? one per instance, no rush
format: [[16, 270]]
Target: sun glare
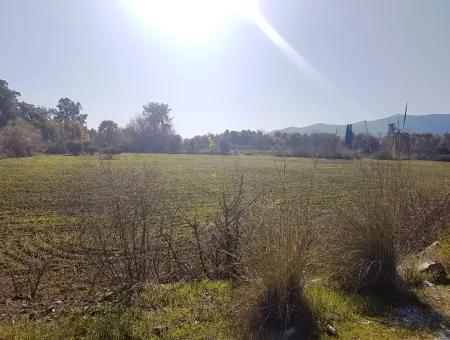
[[193, 19]]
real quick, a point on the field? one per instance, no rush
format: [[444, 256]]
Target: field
[[43, 199]]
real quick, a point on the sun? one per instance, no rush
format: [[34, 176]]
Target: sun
[[192, 19]]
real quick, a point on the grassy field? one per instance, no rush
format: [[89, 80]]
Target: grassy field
[[42, 199]]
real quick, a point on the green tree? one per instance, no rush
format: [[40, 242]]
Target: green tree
[[175, 143], [157, 116], [75, 147], [349, 136], [108, 134], [69, 112], [8, 103], [152, 129], [34, 114], [224, 146]]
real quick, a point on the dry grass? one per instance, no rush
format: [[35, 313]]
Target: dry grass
[[276, 264], [179, 223], [389, 217]]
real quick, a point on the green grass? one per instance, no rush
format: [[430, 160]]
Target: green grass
[[357, 317], [180, 311], [41, 199], [202, 310]]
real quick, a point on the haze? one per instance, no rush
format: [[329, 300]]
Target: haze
[[371, 57]]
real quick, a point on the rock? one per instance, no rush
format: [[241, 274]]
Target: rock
[[158, 330], [331, 330], [58, 302], [434, 268], [290, 333], [427, 283], [432, 246], [50, 310]]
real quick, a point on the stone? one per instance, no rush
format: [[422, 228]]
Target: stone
[[290, 333], [432, 246], [427, 283], [331, 330], [50, 310], [434, 268]]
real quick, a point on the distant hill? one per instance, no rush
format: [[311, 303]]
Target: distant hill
[[434, 123]]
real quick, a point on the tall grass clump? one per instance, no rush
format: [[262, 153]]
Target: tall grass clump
[[276, 265], [387, 215]]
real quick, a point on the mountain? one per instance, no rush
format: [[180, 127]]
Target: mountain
[[434, 123]]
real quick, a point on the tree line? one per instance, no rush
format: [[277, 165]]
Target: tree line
[[327, 145], [27, 129]]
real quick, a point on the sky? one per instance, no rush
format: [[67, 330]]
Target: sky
[[290, 63]]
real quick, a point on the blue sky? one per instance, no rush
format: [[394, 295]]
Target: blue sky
[[372, 57]]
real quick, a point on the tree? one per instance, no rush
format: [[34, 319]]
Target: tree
[[20, 139], [152, 129], [212, 146], [69, 112], [366, 143], [175, 143], [108, 134], [34, 114], [157, 117], [8, 103], [349, 136], [74, 147], [224, 146]]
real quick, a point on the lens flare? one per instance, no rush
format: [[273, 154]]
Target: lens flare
[[191, 19], [292, 55]]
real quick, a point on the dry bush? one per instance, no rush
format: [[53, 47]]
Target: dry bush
[[139, 232], [26, 282], [26, 266], [390, 215], [263, 241], [276, 264], [220, 245], [20, 139], [132, 237]]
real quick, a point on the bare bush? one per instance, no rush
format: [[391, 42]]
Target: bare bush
[[20, 139], [221, 244], [27, 280], [25, 263], [132, 237]]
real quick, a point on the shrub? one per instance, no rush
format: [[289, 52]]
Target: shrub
[[74, 147], [276, 263], [20, 139], [57, 147], [130, 239], [224, 146], [112, 150], [274, 301], [220, 246], [91, 149], [390, 216]]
